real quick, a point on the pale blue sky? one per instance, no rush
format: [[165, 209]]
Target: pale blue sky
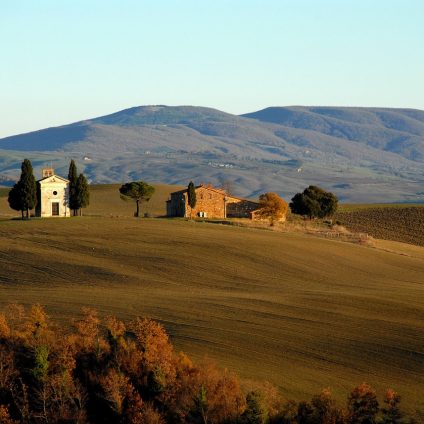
[[67, 60]]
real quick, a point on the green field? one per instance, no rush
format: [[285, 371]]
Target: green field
[[301, 311]]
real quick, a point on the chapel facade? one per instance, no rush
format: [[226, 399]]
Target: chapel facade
[[52, 195]]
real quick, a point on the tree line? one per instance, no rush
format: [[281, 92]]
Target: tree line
[[110, 371], [313, 202], [23, 196]]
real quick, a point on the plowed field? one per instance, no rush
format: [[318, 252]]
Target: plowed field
[[404, 224]]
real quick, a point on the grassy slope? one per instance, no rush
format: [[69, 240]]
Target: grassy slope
[[303, 312], [105, 201]]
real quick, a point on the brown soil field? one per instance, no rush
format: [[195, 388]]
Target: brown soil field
[[399, 223], [301, 311], [298, 310]]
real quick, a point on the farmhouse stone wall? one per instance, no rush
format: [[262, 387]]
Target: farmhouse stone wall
[[211, 202], [240, 208]]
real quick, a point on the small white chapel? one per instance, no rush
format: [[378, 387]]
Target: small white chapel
[[52, 195]]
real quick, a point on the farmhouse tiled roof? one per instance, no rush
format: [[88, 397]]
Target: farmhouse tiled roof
[[211, 188], [207, 187]]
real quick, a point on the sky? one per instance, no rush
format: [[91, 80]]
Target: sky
[[62, 61]]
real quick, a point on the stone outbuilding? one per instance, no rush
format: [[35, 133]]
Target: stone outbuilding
[[211, 202], [52, 195]]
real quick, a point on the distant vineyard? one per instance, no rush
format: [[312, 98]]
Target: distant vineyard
[[404, 224]]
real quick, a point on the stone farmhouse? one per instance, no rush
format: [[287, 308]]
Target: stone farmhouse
[[211, 202], [52, 195]]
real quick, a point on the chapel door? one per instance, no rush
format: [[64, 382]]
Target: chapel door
[[55, 209]]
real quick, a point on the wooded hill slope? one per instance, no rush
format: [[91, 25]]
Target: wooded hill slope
[[363, 154]]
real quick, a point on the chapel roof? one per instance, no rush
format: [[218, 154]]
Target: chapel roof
[[53, 176]]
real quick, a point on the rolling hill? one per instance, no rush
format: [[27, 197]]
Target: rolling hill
[[362, 154], [301, 311]]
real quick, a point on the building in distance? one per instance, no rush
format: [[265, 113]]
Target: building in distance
[[52, 195], [211, 202]]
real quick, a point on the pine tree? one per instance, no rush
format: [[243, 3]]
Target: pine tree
[[139, 191], [82, 193], [191, 194], [23, 195], [73, 178]]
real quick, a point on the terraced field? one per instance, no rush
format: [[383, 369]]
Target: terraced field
[[402, 223]]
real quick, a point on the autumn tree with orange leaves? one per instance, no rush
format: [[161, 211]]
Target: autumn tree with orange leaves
[[107, 371], [272, 207]]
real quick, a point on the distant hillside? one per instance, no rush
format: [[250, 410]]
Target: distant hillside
[[399, 131], [363, 154]]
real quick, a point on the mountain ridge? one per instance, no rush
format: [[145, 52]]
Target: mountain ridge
[[362, 154]]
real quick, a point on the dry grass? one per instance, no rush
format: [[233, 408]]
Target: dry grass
[[305, 312], [295, 224], [302, 311], [105, 201]]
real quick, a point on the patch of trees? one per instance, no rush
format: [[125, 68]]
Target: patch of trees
[[79, 192], [138, 192], [314, 202], [23, 195], [108, 371]]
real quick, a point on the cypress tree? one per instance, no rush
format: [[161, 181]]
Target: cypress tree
[[14, 199], [82, 193], [73, 178], [23, 195], [28, 187], [191, 194]]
